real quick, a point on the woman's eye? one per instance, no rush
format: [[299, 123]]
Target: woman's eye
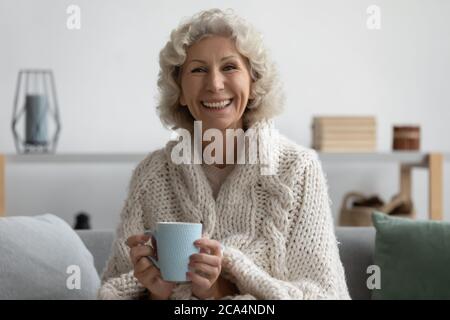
[[229, 67], [198, 70]]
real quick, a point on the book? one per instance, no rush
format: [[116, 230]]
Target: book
[[335, 128], [345, 120], [345, 135]]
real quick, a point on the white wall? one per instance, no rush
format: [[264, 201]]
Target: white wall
[[330, 64]]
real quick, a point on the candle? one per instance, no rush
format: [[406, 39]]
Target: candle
[[36, 119]]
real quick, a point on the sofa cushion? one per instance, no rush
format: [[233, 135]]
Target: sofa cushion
[[413, 256], [99, 243], [356, 247], [43, 258]]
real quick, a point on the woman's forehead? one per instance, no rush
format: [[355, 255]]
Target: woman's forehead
[[213, 48]]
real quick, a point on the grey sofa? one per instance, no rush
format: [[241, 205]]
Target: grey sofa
[[356, 250]]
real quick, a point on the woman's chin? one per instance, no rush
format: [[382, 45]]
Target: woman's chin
[[221, 124]]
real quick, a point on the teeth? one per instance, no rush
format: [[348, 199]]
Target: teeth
[[221, 104]]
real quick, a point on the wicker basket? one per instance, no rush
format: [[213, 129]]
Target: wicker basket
[[361, 216]]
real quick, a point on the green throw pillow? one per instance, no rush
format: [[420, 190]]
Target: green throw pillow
[[413, 256]]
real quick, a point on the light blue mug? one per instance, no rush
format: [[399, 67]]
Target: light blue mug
[[174, 245]]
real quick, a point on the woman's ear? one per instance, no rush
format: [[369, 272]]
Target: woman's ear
[[182, 100], [252, 92]]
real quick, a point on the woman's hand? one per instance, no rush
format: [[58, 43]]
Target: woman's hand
[[206, 266], [144, 270]]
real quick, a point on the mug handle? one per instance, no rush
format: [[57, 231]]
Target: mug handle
[[153, 234]]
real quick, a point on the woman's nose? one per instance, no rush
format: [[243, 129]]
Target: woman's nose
[[215, 81]]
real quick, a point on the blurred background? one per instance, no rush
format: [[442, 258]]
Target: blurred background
[[333, 59]]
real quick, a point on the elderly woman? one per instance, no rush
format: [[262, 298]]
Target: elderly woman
[[265, 236]]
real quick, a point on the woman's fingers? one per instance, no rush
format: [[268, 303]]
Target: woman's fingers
[[199, 281], [148, 276], [152, 280], [214, 246], [138, 252], [162, 283], [144, 271], [206, 259], [142, 265], [205, 270], [135, 240], [144, 268]]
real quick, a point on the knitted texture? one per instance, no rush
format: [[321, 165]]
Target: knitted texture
[[277, 230], [216, 176]]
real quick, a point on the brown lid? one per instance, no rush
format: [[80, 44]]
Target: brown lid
[[406, 128]]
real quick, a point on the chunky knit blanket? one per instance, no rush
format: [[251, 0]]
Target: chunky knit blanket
[[277, 230]]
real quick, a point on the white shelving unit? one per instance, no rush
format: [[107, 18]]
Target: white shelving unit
[[399, 157], [75, 158], [407, 160]]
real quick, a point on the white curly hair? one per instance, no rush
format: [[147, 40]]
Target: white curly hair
[[268, 95]]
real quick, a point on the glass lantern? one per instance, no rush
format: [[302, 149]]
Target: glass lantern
[[35, 122]]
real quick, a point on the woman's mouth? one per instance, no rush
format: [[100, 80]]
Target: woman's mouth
[[217, 105]]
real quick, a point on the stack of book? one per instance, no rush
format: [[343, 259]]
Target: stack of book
[[344, 134]]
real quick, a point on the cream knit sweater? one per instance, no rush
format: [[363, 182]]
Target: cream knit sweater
[[277, 230]]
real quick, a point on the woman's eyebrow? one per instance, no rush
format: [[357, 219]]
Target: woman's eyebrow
[[197, 60], [229, 57], [204, 62]]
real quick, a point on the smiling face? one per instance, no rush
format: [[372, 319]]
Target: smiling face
[[215, 83]]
